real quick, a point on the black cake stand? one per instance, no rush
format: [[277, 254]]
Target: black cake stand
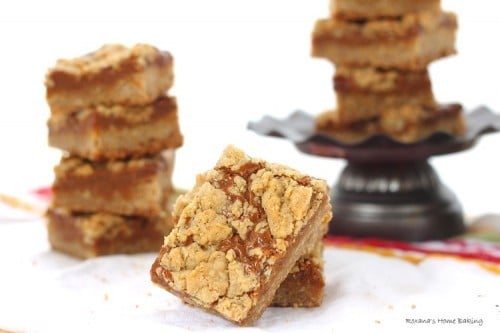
[[388, 189]]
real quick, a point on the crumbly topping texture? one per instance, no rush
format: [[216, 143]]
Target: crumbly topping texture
[[382, 29], [108, 56], [75, 166], [355, 9], [233, 227]]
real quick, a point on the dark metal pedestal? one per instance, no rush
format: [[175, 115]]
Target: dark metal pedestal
[[404, 201], [388, 189]]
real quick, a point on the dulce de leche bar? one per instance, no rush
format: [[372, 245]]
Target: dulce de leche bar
[[408, 42], [238, 233], [304, 285], [125, 187], [113, 74], [369, 9], [363, 93], [408, 123], [111, 132], [88, 235]]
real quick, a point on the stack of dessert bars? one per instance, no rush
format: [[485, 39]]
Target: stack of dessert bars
[[381, 50], [118, 128]]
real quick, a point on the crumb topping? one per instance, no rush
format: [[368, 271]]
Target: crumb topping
[[231, 229], [109, 55]]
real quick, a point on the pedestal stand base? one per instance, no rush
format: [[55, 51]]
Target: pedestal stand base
[[404, 201]]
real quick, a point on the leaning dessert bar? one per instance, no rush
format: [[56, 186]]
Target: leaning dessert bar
[[238, 233]]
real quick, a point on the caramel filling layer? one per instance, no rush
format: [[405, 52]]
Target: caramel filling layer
[[96, 119], [403, 83]]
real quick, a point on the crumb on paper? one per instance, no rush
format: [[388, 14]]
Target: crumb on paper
[[19, 204], [106, 297], [413, 306], [377, 321], [390, 306]]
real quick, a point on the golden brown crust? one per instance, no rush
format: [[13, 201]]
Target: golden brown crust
[[126, 187], [410, 42], [113, 74], [407, 123], [368, 9], [115, 132], [90, 235], [238, 233]]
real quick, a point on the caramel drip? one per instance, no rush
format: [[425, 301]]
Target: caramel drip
[[242, 248], [245, 172]]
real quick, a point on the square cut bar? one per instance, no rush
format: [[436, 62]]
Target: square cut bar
[[88, 235], [304, 285], [369, 9], [112, 132], [238, 233], [408, 42], [364, 93], [113, 74], [139, 186], [408, 123]]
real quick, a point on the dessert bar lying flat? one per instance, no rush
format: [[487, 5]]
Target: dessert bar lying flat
[[367, 9], [406, 124], [114, 74], [364, 93], [304, 285], [111, 132], [238, 233], [87, 235], [131, 187], [408, 42]]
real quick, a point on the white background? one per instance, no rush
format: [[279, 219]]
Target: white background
[[235, 61]]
